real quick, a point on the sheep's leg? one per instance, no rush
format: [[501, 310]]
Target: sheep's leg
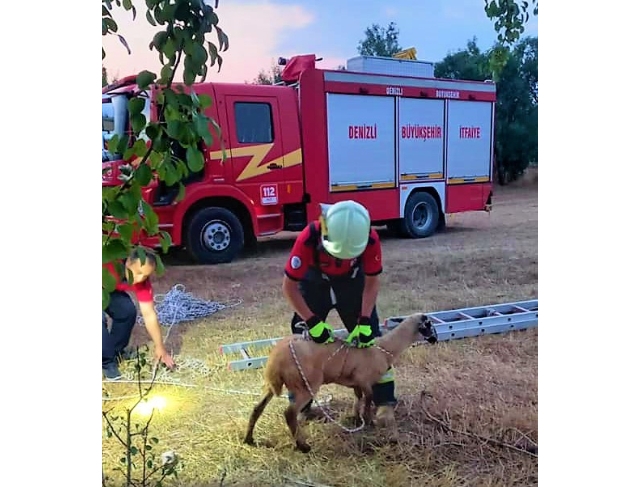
[[368, 403], [357, 406], [257, 412], [291, 415]]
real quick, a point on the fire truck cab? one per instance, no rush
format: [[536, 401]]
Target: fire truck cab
[[384, 132]]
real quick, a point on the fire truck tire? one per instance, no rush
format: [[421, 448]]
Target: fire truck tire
[[214, 236], [421, 216]]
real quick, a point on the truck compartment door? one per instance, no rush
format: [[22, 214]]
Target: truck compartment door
[[469, 129], [469, 154], [421, 134], [361, 142]]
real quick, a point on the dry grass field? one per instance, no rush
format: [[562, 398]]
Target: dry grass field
[[467, 409]]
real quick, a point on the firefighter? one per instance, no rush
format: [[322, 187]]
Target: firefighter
[[336, 262], [123, 314]]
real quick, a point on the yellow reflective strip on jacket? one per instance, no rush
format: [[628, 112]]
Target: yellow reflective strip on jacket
[[388, 376]]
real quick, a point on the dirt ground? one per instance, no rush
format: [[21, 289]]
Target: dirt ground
[[468, 409]]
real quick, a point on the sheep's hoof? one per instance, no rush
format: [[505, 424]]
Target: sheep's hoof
[[303, 447], [352, 420], [249, 441]]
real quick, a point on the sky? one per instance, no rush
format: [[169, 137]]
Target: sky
[[260, 31]]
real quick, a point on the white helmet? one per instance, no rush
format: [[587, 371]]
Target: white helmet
[[345, 229]]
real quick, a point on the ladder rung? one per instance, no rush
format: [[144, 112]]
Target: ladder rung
[[466, 316], [434, 318], [244, 354], [520, 308]]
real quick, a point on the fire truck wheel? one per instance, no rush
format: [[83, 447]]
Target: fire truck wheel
[[421, 216], [214, 236]]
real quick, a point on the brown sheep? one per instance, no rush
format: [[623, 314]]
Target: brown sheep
[[334, 363]]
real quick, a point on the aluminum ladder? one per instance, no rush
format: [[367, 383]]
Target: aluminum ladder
[[449, 325]]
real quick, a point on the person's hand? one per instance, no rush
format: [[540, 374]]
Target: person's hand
[[165, 357], [320, 331], [362, 334]]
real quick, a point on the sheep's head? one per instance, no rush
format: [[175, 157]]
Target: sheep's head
[[426, 329]]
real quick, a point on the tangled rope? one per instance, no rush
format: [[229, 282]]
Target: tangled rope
[[178, 306]]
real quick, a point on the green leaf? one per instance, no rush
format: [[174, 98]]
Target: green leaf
[[195, 159], [155, 159], [202, 128], [169, 174], [139, 148], [114, 249], [158, 40], [199, 55], [117, 210], [165, 241], [123, 143], [134, 450], [205, 101], [159, 266], [108, 280], [125, 230], [223, 40], [144, 79], [136, 105], [165, 74], [181, 193], [109, 24], [174, 129], [142, 256], [129, 201], [112, 145], [169, 49], [154, 440], [152, 131], [189, 75], [150, 18], [143, 174], [150, 217], [213, 53], [138, 122]]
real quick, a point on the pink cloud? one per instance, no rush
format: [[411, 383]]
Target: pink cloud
[[254, 29]]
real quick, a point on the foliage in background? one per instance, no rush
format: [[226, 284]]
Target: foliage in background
[[509, 18], [269, 77], [516, 135], [181, 41], [380, 41]]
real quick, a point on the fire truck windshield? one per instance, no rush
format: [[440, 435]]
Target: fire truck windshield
[[114, 121]]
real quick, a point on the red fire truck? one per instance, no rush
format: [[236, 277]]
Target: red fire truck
[[384, 132]]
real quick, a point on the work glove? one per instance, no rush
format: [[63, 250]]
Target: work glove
[[320, 331], [362, 334]]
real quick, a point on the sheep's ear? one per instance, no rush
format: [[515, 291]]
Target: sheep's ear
[[425, 322], [426, 329]]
